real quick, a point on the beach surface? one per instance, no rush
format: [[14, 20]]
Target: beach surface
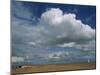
[[53, 68]]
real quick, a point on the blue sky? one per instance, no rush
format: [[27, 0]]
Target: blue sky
[[85, 13], [42, 30]]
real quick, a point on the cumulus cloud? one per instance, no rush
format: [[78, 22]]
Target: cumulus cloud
[[65, 29], [54, 28]]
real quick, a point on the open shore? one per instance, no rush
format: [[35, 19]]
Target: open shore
[[53, 68]]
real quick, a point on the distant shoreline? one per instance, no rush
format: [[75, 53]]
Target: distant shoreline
[[53, 68]]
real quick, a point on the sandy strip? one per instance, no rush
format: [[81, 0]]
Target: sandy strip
[[53, 68]]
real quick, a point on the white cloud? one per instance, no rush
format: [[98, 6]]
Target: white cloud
[[71, 44], [65, 28], [17, 59], [58, 55], [54, 28], [32, 43], [90, 45], [66, 25]]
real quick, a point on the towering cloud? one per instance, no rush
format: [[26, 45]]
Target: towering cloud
[[65, 28], [54, 28]]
